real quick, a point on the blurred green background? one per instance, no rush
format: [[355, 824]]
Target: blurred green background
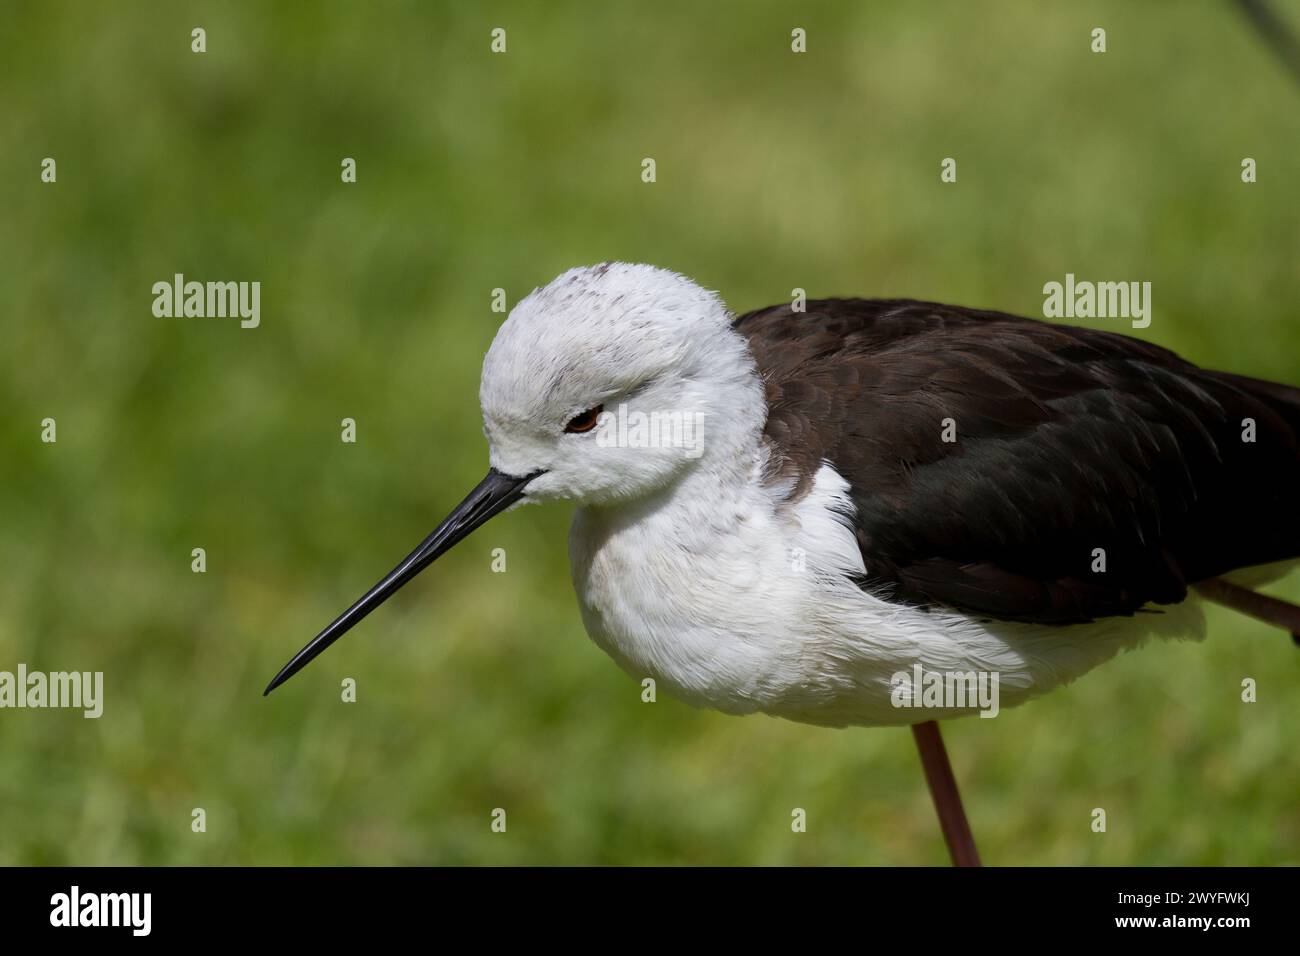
[[475, 171]]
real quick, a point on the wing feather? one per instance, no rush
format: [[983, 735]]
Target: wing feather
[[1069, 445]]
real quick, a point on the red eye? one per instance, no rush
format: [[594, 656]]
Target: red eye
[[584, 422]]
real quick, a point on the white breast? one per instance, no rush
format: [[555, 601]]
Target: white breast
[[728, 599]]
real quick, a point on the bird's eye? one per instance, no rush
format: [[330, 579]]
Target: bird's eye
[[585, 421]]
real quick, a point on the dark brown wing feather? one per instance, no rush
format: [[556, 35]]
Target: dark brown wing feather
[[1068, 440]]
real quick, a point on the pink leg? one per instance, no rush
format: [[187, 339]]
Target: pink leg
[[943, 788]]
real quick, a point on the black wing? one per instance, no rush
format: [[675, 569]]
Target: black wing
[[1070, 446]]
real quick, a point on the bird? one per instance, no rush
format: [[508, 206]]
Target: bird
[[783, 511]]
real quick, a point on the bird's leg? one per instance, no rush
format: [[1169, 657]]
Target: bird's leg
[[943, 788], [1253, 604]]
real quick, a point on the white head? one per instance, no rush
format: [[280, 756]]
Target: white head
[[612, 381], [650, 348]]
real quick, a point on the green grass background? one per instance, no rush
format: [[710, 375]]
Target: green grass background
[[480, 690]]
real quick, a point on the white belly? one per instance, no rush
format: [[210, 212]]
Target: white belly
[[735, 606]]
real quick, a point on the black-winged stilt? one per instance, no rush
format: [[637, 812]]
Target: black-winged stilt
[[806, 512]]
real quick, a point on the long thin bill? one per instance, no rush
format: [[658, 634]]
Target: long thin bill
[[494, 494]]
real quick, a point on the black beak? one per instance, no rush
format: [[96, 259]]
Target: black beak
[[494, 494]]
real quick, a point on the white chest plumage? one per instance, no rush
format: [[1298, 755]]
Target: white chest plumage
[[728, 600]]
